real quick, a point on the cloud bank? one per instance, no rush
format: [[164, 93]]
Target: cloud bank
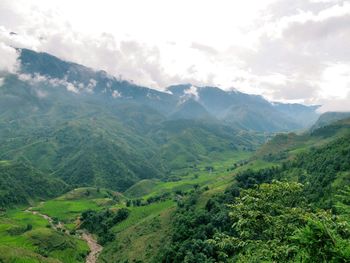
[[286, 50]]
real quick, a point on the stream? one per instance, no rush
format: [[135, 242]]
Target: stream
[[95, 248]]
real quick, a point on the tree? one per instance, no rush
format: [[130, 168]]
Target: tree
[[325, 238], [273, 223]]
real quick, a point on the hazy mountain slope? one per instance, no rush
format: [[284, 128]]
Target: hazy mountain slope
[[221, 104], [183, 142], [244, 111], [190, 109], [89, 128], [95, 140], [96, 83], [329, 117], [304, 115], [287, 145]]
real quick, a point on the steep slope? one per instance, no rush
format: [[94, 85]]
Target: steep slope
[[287, 145], [244, 111], [81, 79], [221, 104], [22, 184], [329, 117], [258, 118], [304, 115], [186, 142], [293, 211], [190, 109], [94, 140], [88, 128]]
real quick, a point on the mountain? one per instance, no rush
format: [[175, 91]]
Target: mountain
[[22, 184], [329, 117], [233, 108], [190, 109], [195, 184], [248, 112], [305, 115], [298, 191], [85, 136], [78, 78], [86, 127]]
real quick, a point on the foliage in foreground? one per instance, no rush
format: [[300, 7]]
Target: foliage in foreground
[[270, 223]]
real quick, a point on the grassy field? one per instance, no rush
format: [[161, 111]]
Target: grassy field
[[25, 237], [201, 174], [142, 240], [141, 213], [139, 237], [68, 207]]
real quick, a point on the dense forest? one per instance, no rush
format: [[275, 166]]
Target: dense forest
[[20, 183], [291, 213]]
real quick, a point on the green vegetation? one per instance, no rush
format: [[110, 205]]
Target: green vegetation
[[25, 237], [22, 184], [111, 145], [165, 184], [258, 219], [101, 222], [68, 207], [141, 240]]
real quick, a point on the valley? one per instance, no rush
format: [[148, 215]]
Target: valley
[[61, 213], [147, 229], [94, 247], [97, 169]]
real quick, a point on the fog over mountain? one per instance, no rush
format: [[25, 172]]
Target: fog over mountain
[[287, 51], [192, 131]]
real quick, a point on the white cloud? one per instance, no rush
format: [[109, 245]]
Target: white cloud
[[331, 104], [8, 61], [116, 94], [335, 81], [72, 88], [285, 50], [54, 82], [191, 92]]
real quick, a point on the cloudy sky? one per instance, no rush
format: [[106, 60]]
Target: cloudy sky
[[285, 50]]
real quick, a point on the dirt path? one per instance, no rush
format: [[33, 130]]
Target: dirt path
[[95, 248]]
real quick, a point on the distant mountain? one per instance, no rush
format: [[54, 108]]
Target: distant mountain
[[249, 112], [190, 109], [285, 145], [85, 127], [329, 117], [99, 140], [304, 115], [78, 78]]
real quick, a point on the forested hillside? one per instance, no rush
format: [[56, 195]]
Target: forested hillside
[[292, 212], [191, 174], [22, 184]]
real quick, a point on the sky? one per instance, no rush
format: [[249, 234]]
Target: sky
[[285, 50]]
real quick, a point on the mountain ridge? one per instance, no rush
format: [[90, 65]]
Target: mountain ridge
[[216, 102]]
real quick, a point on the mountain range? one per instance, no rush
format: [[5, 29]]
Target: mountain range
[[85, 127], [185, 101]]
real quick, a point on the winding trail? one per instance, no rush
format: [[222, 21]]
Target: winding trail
[[95, 248]]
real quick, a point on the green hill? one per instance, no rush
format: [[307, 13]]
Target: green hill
[[328, 118], [22, 184]]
